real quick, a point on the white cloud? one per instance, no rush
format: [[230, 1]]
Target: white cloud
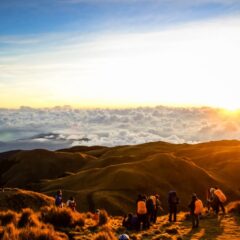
[[58, 127]]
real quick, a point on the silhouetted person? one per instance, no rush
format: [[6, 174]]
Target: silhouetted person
[[142, 212], [173, 201], [195, 210], [71, 203], [220, 199], [158, 207], [130, 222], [151, 208], [58, 199]]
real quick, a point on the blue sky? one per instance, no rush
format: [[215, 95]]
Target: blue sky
[[52, 52], [34, 17]]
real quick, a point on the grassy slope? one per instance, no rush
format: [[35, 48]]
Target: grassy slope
[[17, 199], [112, 177], [211, 227]]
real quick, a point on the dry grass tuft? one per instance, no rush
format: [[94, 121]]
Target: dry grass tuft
[[103, 217], [28, 219], [104, 235], [41, 234], [10, 232], [8, 217], [233, 208], [61, 217]]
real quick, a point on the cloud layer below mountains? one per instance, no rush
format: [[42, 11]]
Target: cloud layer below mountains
[[59, 127]]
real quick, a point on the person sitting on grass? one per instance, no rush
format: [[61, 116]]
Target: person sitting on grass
[[71, 203], [130, 222], [96, 215]]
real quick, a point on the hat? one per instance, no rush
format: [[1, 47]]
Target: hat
[[212, 190], [97, 211], [124, 237], [194, 195]]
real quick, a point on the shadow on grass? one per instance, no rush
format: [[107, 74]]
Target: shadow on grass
[[209, 228]]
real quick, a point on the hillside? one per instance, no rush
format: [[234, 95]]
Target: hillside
[[111, 178], [53, 223], [17, 199]]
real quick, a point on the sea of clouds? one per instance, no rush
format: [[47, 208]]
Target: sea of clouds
[[60, 127]]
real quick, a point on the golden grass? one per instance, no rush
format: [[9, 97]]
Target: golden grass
[[30, 225], [103, 217], [61, 217]]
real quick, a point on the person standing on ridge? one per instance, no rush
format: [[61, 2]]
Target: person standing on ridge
[[158, 207], [173, 201], [221, 198], [142, 212], [58, 199], [196, 207], [151, 208]]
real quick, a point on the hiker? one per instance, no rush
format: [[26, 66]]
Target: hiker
[[212, 201], [142, 212], [221, 198], [58, 199], [209, 200], [151, 208], [130, 222], [173, 201], [196, 208], [71, 203], [96, 215], [124, 237], [158, 207]]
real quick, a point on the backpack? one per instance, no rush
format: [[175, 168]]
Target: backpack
[[221, 196], [141, 207], [172, 197], [198, 207]]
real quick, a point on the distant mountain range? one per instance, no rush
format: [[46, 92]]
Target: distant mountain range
[[50, 141]]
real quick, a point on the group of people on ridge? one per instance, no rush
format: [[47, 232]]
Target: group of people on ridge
[[71, 203], [147, 208]]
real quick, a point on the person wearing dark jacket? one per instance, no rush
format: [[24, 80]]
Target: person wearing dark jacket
[[130, 222], [58, 199], [173, 201], [142, 212], [158, 208], [150, 209], [195, 217]]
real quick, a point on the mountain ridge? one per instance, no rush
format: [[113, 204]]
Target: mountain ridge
[[112, 177]]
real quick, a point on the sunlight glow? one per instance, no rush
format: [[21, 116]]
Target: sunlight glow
[[195, 64]]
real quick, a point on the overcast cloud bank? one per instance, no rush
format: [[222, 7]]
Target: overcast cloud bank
[[53, 128]]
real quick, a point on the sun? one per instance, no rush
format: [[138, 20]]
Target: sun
[[232, 107]]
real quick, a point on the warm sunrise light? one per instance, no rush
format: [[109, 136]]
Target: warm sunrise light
[[194, 64]]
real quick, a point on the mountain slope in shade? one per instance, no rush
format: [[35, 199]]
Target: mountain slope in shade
[[27, 167]]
